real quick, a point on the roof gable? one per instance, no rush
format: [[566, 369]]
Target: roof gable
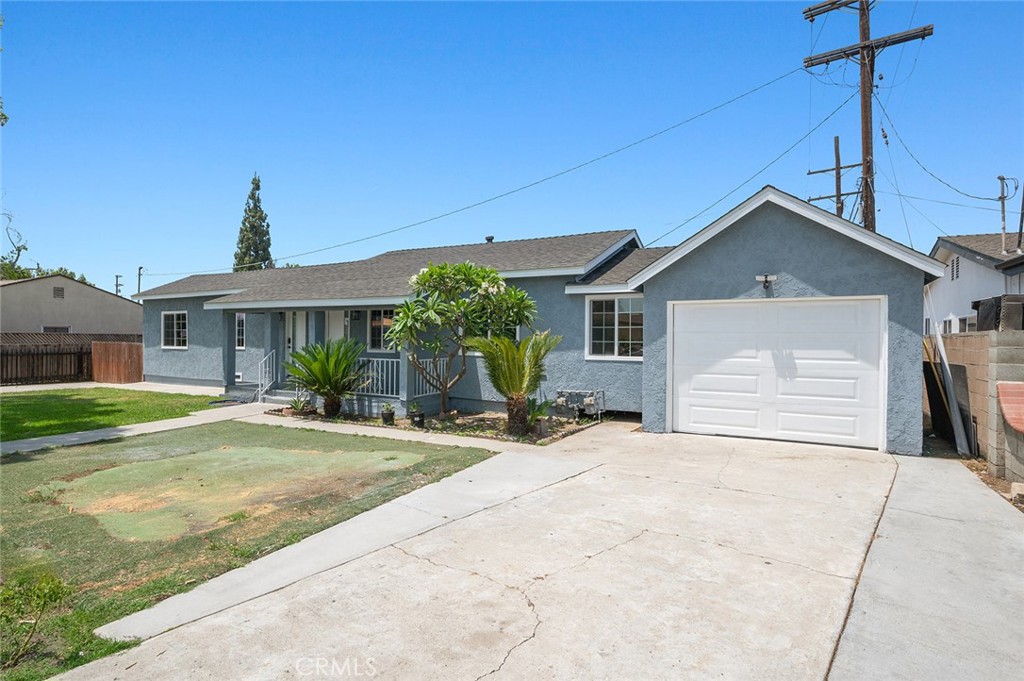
[[985, 249], [791, 203]]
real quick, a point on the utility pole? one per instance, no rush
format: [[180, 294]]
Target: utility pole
[[865, 51], [839, 179], [117, 284], [139, 288]]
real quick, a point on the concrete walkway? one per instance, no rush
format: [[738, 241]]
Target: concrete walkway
[[197, 418], [143, 386], [942, 592]]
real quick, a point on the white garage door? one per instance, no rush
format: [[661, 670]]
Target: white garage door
[[795, 369]]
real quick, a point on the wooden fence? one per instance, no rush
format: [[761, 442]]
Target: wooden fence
[[116, 362], [23, 364]]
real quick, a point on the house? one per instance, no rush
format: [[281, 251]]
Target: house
[[60, 305], [976, 269], [778, 320]]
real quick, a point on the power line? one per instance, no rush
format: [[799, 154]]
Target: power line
[[766, 167], [510, 192], [941, 231], [946, 203], [896, 185], [892, 127]]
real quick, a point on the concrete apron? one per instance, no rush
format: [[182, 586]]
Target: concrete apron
[[677, 556]]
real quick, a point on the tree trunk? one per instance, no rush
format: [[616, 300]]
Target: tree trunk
[[518, 415], [444, 402], [332, 407]]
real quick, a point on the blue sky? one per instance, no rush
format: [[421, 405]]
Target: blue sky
[[136, 127]]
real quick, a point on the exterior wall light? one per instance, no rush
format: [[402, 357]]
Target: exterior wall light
[[766, 279]]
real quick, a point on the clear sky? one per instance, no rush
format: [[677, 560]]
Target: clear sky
[[136, 127]]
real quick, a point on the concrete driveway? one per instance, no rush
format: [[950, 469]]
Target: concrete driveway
[[672, 557]]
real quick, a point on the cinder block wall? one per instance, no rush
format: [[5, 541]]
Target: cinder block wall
[[971, 350], [1006, 364]]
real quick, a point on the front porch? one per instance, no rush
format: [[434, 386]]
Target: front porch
[[257, 372]]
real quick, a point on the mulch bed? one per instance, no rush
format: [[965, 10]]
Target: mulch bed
[[490, 425]]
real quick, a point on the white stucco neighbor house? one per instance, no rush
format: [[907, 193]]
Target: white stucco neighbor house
[[976, 268]]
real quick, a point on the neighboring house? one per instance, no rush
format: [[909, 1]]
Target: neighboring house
[[691, 337], [60, 305], [976, 268]]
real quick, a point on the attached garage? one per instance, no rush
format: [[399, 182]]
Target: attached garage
[[783, 321], [809, 369]]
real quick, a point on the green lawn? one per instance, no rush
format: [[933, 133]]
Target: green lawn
[[131, 522], [52, 412]]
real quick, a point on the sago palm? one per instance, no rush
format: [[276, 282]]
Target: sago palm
[[514, 370], [332, 370]]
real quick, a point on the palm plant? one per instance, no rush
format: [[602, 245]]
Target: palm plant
[[332, 370], [514, 370]]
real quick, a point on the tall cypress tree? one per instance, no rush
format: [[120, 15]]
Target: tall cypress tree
[[253, 252]]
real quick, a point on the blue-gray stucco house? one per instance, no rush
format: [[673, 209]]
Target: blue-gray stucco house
[[778, 320]]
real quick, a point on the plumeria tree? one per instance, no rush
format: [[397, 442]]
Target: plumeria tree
[[450, 304]]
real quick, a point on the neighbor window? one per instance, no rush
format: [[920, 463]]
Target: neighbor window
[[616, 327], [175, 329], [380, 322], [239, 331], [947, 327]]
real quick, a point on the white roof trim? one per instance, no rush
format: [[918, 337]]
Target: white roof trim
[[597, 288], [281, 304], [193, 294], [550, 272], [612, 250], [791, 203]]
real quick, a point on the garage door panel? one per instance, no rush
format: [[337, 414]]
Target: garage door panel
[[715, 319], [810, 388], [718, 347], [836, 316], [716, 418], [724, 383], [800, 370]]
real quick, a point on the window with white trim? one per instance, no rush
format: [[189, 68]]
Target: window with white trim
[[615, 327], [175, 329], [380, 323], [239, 331]]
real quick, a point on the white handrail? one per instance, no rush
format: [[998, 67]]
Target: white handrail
[[265, 375]]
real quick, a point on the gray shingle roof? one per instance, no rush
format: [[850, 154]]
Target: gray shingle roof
[[626, 263], [988, 245], [387, 274]]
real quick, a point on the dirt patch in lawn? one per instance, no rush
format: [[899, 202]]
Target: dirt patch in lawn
[[194, 493]]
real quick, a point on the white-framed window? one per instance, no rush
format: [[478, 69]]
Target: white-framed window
[[377, 329], [972, 323], [175, 330], [615, 327], [947, 327], [239, 331]]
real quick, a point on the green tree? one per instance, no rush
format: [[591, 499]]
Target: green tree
[[515, 369], [451, 304], [331, 370], [253, 251]]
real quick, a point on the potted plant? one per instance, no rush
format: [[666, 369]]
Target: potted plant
[[387, 414], [416, 415]]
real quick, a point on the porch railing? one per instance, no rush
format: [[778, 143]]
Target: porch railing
[[436, 367], [383, 375], [265, 374]]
